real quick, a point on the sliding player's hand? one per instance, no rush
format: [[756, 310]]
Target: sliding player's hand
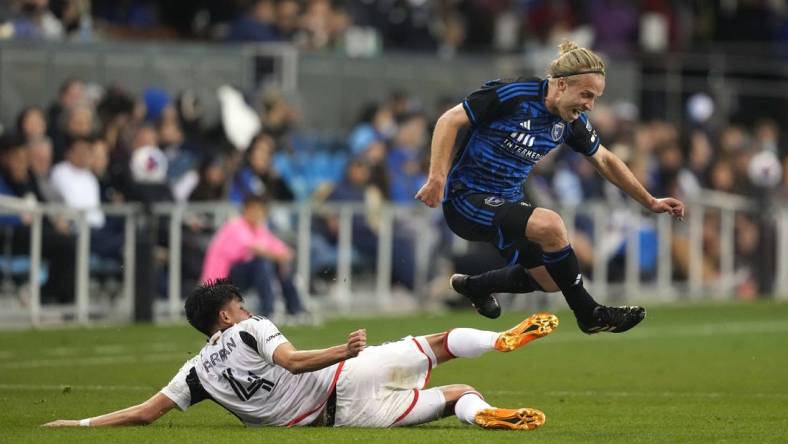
[[431, 193], [669, 205], [356, 341]]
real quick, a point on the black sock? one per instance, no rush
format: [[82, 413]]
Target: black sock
[[511, 279], [565, 271]]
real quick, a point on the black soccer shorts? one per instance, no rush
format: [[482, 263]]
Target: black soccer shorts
[[489, 218]]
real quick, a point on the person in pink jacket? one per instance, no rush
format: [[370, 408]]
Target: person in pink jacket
[[250, 255]]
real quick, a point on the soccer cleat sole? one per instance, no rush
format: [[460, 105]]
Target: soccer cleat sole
[[510, 419], [537, 325]]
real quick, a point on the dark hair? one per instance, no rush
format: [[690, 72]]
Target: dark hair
[[368, 112], [254, 198], [20, 118], [257, 138], [10, 142], [72, 141], [203, 305], [68, 83]]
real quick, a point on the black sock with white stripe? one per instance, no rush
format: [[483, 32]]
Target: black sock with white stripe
[[565, 271]]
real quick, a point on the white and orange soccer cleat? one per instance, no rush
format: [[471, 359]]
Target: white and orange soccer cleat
[[510, 419], [535, 327]]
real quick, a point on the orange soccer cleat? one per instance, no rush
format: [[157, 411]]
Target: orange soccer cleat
[[536, 326], [511, 419]]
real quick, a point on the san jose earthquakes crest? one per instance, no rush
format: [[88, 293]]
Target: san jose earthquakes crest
[[557, 131], [493, 201]]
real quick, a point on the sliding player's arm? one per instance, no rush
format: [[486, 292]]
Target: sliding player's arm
[[616, 171], [140, 414], [302, 361], [442, 150]]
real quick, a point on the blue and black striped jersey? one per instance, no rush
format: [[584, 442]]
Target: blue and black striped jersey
[[511, 131]]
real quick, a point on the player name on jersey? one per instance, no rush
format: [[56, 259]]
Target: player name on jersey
[[220, 356]]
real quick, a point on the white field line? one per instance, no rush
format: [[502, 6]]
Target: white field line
[[60, 387], [94, 361], [626, 394], [160, 348], [110, 349]]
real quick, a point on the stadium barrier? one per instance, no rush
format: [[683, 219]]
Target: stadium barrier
[[31, 72], [643, 278], [658, 84]]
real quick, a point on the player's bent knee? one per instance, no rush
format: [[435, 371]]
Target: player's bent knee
[[546, 227], [453, 392]]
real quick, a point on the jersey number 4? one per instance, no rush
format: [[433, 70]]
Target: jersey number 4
[[245, 389]]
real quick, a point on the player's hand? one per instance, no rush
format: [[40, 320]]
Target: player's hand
[[62, 423], [356, 341], [431, 193], [669, 205]]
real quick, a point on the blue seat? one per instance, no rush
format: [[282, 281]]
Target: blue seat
[[19, 267]]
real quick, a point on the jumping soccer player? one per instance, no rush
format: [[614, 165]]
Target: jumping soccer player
[[513, 125], [250, 368]]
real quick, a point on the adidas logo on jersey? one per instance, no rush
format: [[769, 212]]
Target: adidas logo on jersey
[[522, 138]]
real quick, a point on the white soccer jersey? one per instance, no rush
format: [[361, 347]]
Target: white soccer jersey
[[236, 370]]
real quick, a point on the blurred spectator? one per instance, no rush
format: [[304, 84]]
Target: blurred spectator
[[182, 156], [376, 123], [36, 21], [75, 182], [255, 24], [258, 176], [156, 101], [75, 17], [80, 189], [146, 179], [77, 122], [278, 117], [287, 18], [100, 168], [31, 123], [71, 93], [406, 159], [323, 24], [247, 252], [58, 248], [212, 182], [190, 114], [40, 151], [375, 157]]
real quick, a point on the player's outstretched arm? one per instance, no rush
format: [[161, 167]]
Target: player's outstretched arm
[[302, 361], [616, 171], [141, 414], [442, 148]]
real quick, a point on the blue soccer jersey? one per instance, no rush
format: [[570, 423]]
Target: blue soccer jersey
[[511, 131]]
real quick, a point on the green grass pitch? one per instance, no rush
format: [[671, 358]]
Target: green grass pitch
[[691, 373]]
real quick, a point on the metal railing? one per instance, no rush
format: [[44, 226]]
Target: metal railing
[[376, 294]]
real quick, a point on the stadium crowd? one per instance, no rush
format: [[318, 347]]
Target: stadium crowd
[[94, 145], [363, 27]]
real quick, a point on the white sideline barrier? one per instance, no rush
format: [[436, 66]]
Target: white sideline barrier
[[345, 296]]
